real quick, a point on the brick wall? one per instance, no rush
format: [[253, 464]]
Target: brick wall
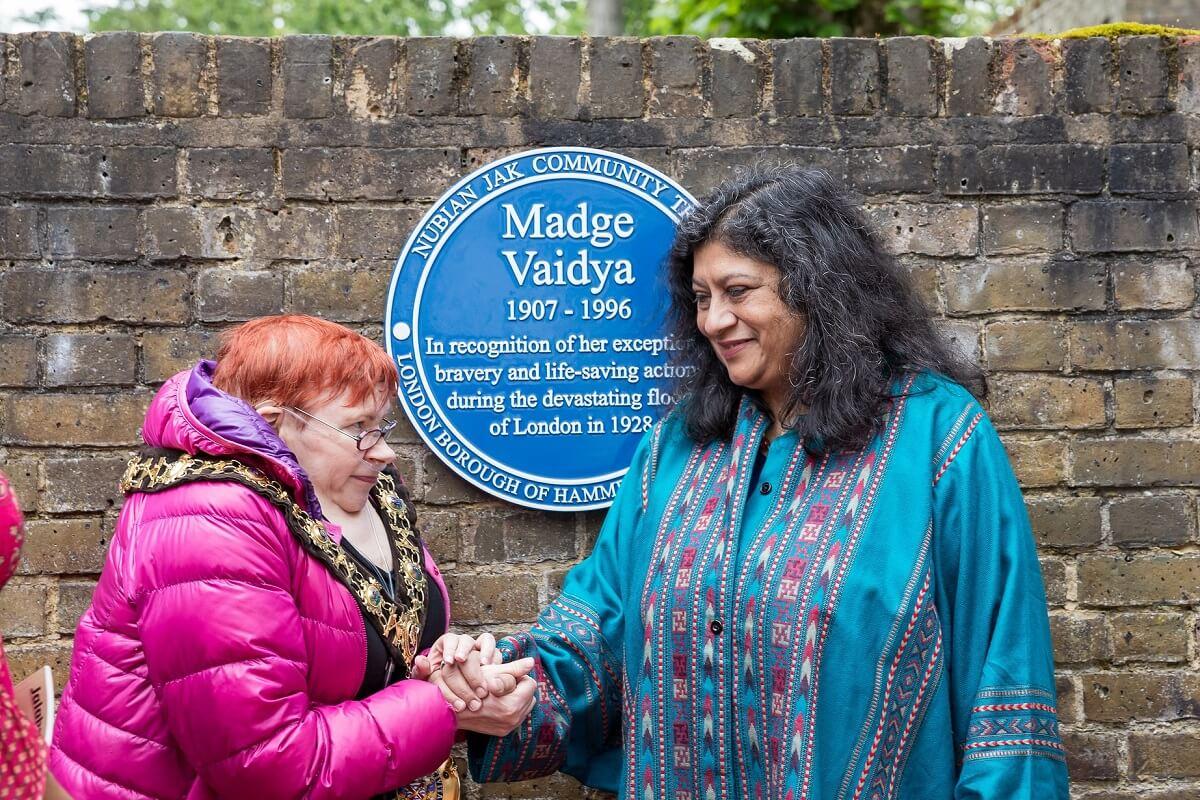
[[158, 188]]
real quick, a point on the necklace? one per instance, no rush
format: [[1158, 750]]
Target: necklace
[[382, 550]]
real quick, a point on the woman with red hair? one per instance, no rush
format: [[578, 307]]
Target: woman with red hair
[[258, 625]]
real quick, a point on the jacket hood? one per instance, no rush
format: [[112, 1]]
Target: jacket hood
[[190, 414]]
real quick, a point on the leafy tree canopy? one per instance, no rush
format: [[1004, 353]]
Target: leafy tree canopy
[[705, 18]]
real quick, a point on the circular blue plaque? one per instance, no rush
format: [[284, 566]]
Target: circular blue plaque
[[525, 315]]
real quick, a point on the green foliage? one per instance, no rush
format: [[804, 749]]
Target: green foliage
[[336, 17], [787, 18]]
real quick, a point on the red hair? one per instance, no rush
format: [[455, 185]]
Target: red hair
[[297, 360]]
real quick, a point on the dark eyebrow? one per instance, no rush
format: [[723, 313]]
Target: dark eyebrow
[[736, 275]]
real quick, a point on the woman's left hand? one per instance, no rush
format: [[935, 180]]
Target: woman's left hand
[[465, 656]]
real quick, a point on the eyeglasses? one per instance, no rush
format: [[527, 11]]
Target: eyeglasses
[[363, 441]]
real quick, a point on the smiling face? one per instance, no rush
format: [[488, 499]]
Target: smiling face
[[739, 310], [340, 473]]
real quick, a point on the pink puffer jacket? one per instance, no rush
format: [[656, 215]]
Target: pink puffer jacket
[[218, 659]]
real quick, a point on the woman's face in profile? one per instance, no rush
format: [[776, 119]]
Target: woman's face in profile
[[740, 312], [339, 471]]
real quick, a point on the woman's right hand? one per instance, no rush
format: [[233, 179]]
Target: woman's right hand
[[499, 715], [501, 679]]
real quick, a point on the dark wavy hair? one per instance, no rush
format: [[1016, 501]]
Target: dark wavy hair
[[865, 325]]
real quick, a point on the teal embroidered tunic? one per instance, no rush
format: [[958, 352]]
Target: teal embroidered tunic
[[872, 624]]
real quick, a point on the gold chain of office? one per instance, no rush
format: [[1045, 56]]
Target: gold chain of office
[[400, 627]]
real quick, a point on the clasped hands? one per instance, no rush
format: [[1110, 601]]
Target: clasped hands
[[487, 696]]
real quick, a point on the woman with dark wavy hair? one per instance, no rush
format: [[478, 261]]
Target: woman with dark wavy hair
[[818, 579]]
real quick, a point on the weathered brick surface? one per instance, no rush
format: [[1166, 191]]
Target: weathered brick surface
[[493, 76], [45, 78], [179, 62], [1025, 345], [18, 360], [89, 359], [156, 189], [1040, 285], [912, 77], [1118, 580], [23, 610], [1153, 402], [735, 79], [1150, 637], [1023, 228], [432, 66], [616, 78], [1024, 70], [1165, 755], [797, 67], [1065, 522], [224, 295], [114, 79], [1088, 67], [244, 78], [1116, 696], [1143, 65], [1042, 401], [555, 76], [854, 79], [1021, 169], [231, 172], [1153, 284], [676, 77], [1131, 225], [307, 74], [370, 78]]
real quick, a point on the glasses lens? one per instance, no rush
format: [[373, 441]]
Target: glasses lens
[[370, 439]]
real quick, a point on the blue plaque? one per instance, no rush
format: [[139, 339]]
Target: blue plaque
[[526, 316]]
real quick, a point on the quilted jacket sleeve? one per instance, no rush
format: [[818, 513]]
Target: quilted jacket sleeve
[[225, 650]]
